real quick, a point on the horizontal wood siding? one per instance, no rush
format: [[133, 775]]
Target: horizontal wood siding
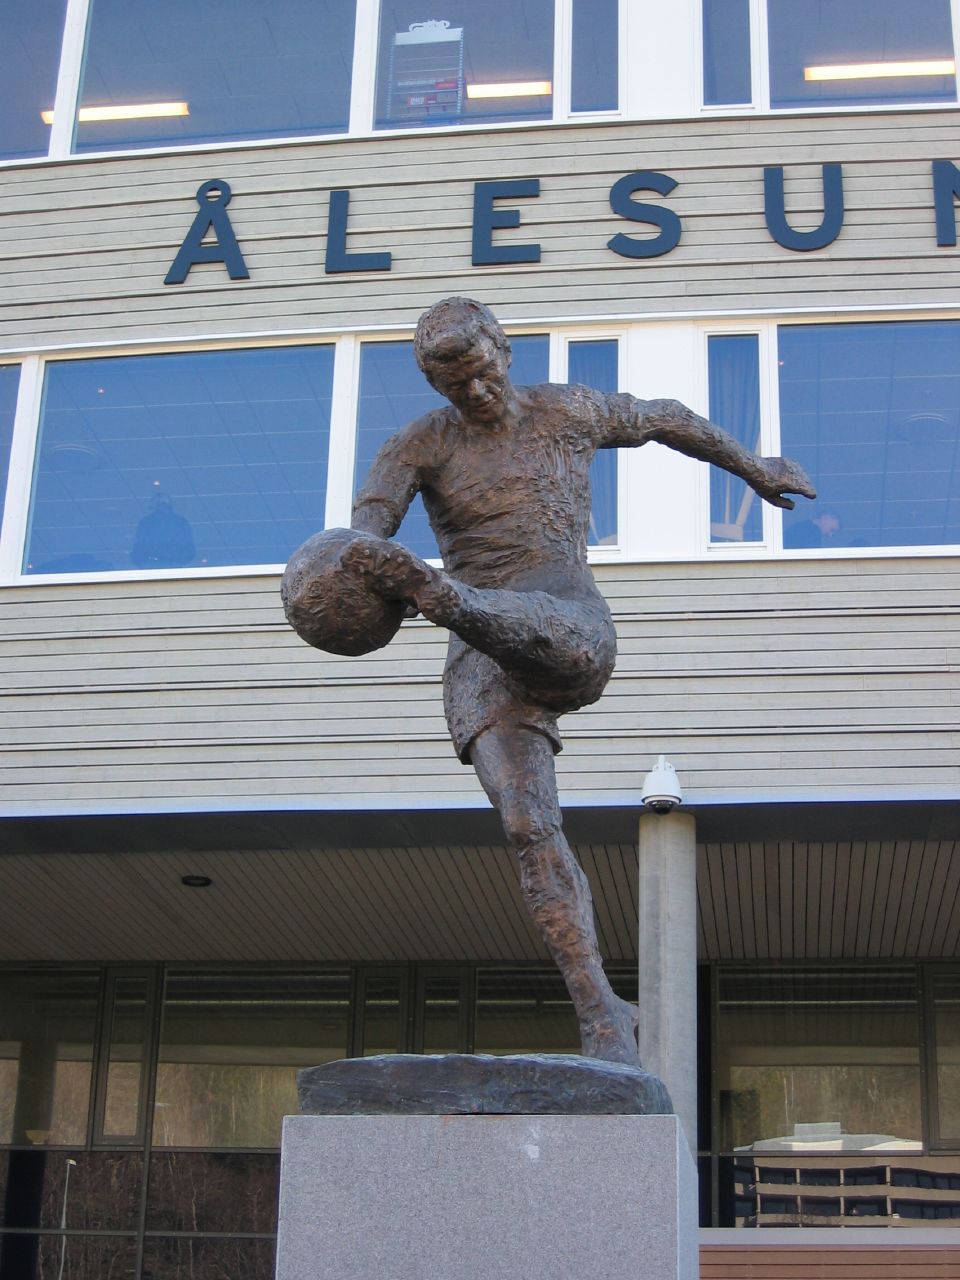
[[759, 680], [85, 244], [825, 1262]]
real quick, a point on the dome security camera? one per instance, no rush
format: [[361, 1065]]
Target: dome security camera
[[661, 788]]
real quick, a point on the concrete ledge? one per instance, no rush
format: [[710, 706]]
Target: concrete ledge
[[486, 1198]]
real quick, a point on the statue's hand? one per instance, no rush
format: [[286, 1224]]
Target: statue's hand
[[782, 476]]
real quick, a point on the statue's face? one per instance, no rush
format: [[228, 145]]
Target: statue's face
[[477, 383]]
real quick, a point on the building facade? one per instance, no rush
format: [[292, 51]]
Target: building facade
[[223, 855]]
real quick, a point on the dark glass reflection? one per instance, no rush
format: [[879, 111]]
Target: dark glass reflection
[[173, 1258], [432, 66], [871, 40], [736, 513], [121, 1110], [243, 70], [170, 461], [594, 364], [946, 1006], [59, 1257], [873, 413], [29, 62], [383, 1010], [394, 392], [89, 1190], [47, 1026], [9, 385], [231, 1046], [818, 1060], [441, 1013], [726, 52], [213, 1191], [529, 1010], [595, 70], [890, 1188]]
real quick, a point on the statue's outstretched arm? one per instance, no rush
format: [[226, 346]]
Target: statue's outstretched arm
[[671, 423]]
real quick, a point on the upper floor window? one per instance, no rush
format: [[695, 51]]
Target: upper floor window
[[835, 53], [181, 72], [29, 57], [143, 74]]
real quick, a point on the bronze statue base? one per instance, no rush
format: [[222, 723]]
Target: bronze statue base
[[480, 1084]]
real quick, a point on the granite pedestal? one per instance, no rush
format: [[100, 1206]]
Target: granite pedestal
[[486, 1197]]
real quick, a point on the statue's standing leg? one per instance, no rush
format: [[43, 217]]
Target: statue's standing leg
[[515, 766]]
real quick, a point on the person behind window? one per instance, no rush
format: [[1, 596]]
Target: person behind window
[[164, 539], [818, 531]]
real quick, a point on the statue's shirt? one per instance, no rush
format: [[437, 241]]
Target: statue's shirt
[[509, 504]]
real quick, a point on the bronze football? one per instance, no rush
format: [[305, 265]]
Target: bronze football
[[331, 606]]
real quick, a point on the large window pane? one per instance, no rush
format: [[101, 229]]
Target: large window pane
[[734, 362], [47, 1024], [475, 63], [231, 1047], [29, 61], [859, 52], [213, 1191], [873, 413], [9, 383], [946, 1004], [726, 52], [218, 70], [93, 1190], [819, 1059], [169, 461], [594, 364], [122, 1103], [394, 392], [595, 56]]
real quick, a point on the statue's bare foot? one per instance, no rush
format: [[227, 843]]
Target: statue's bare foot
[[612, 1036], [396, 573]]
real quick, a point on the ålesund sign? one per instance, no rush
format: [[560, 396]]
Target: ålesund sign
[[491, 217]]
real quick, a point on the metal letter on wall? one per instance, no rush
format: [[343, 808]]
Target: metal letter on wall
[[486, 219], [622, 202], [946, 189], [337, 259], [213, 198], [774, 210]]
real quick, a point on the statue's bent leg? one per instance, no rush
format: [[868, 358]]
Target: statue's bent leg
[[563, 650], [515, 766]]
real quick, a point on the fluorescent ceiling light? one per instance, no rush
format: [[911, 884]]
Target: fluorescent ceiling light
[[881, 70], [514, 89], [126, 111]]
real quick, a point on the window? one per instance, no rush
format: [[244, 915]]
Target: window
[[818, 1055], [230, 1049], [594, 70], [873, 413], [594, 363], [736, 513], [9, 385], [835, 53], [476, 64], [29, 59], [179, 460], [180, 72], [946, 1030]]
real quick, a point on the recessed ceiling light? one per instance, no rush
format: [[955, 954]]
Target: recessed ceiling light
[[196, 882], [881, 70], [511, 89], [126, 111]]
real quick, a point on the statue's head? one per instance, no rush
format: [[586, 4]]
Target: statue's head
[[465, 355]]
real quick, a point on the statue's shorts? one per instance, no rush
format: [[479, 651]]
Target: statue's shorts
[[478, 693]]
